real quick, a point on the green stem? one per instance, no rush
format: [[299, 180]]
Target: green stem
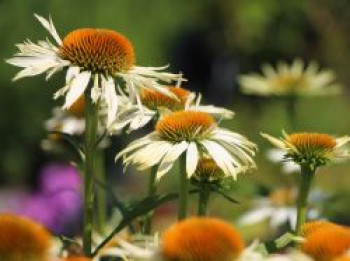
[[204, 195], [307, 174], [101, 192], [91, 117], [184, 184], [152, 189]]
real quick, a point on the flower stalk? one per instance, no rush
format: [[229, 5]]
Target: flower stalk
[[184, 184], [152, 190], [101, 192], [91, 117], [204, 195], [307, 174]]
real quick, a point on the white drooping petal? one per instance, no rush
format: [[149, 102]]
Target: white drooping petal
[[48, 25], [96, 90], [222, 158], [77, 88], [72, 72], [192, 158], [110, 97], [136, 144], [277, 142], [169, 159]]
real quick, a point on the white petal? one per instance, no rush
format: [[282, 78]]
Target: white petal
[[110, 97], [191, 159], [170, 158], [48, 25], [72, 72], [77, 88], [96, 90], [256, 215], [277, 142]]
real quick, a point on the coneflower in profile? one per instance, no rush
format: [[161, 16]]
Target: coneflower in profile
[[325, 241], [197, 239], [23, 240], [186, 135], [310, 151]]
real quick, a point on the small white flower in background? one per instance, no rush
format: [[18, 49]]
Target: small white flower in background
[[156, 104], [279, 208], [193, 133], [294, 79], [90, 55], [277, 156]]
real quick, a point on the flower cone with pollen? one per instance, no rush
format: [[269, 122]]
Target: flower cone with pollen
[[198, 239], [208, 171], [153, 100], [23, 240], [325, 241], [312, 148], [98, 50], [185, 125]]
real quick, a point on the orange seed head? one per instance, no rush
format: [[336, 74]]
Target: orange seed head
[[98, 50], [185, 125], [154, 99], [22, 239], [198, 239]]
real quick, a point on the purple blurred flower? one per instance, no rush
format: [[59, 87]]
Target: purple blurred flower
[[57, 177], [58, 202]]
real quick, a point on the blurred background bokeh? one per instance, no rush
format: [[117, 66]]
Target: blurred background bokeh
[[211, 42]]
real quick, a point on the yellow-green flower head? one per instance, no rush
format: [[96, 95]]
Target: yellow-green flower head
[[207, 171], [312, 149], [294, 79]]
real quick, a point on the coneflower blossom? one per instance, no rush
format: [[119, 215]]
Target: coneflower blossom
[[325, 241], [197, 239], [90, 55], [157, 104], [292, 79], [312, 149], [193, 133], [23, 240]]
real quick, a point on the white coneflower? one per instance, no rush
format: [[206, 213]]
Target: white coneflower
[[90, 55], [310, 148], [155, 103], [190, 132], [294, 79], [310, 151]]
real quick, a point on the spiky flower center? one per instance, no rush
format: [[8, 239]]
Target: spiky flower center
[[153, 99], [207, 171], [326, 241], [185, 125], [197, 239], [22, 240], [98, 50], [313, 148]]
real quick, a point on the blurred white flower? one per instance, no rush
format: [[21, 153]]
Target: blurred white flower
[[294, 79], [277, 156]]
